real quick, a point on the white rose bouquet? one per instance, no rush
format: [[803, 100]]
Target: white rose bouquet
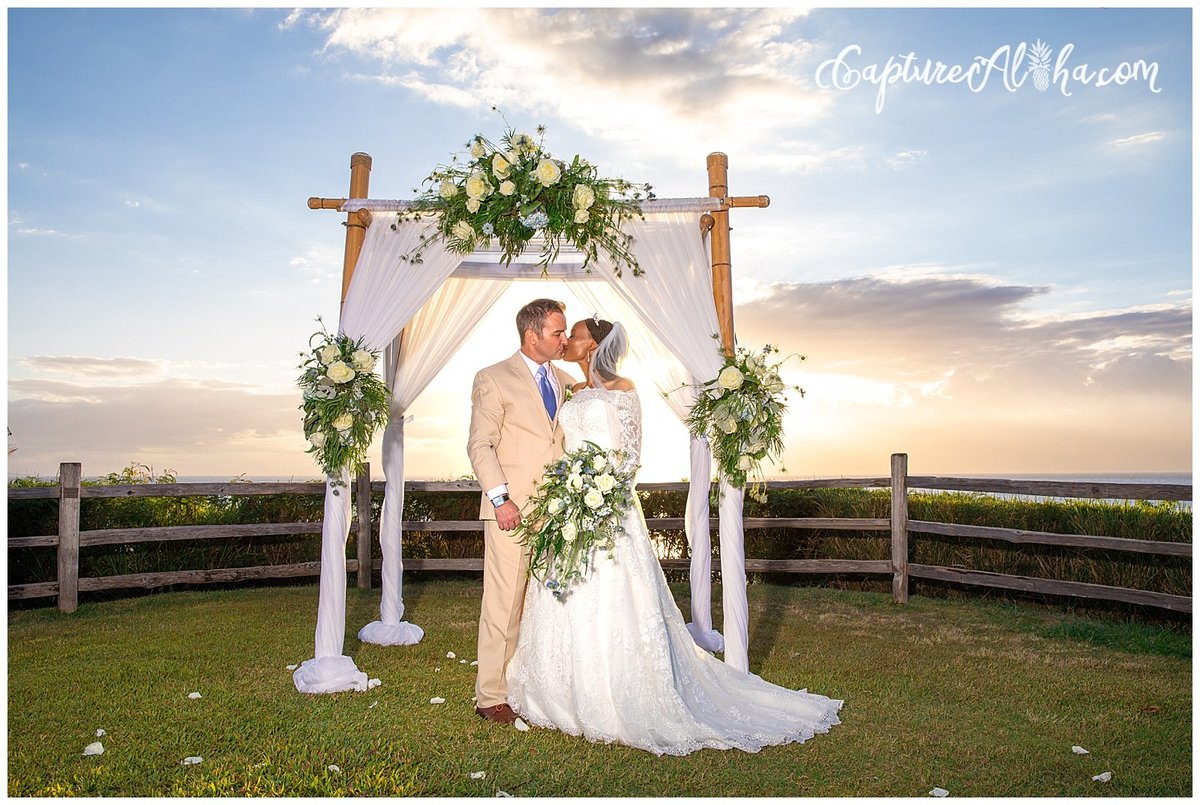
[[740, 411], [578, 507], [538, 197], [345, 403]]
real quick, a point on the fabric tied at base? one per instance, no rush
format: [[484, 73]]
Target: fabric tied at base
[[329, 675], [391, 634]]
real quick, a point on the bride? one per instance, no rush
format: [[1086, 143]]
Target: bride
[[612, 660]]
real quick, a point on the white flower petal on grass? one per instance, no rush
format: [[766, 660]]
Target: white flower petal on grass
[[374, 683], [194, 760], [474, 662], [437, 700], [195, 695], [521, 725], [939, 792], [462, 662], [335, 768], [1103, 777], [1079, 750], [373, 704], [450, 655], [100, 733], [503, 794], [478, 775], [96, 748], [292, 667]]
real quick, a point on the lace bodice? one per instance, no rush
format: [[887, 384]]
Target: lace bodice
[[611, 419]]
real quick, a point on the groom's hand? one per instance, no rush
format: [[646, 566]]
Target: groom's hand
[[508, 516]]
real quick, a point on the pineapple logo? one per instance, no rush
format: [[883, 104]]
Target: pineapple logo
[[1040, 67]]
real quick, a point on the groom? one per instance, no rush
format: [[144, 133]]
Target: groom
[[514, 434]]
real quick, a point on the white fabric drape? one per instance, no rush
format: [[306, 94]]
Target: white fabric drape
[[385, 294], [674, 297], [330, 671], [437, 331]]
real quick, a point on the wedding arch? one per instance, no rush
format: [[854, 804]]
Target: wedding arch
[[414, 312]]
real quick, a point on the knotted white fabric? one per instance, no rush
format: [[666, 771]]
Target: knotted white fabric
[[413, 359]]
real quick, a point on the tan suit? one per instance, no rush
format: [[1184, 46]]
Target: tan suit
[[511, 441]]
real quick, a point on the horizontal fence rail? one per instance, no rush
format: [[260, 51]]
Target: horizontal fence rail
[[70, 539]]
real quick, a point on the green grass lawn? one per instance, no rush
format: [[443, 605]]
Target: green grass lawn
[[979, 698]]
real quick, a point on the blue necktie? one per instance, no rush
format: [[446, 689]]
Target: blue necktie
[[547, 391]]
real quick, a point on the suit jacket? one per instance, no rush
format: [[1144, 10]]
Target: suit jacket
[[512, 439]]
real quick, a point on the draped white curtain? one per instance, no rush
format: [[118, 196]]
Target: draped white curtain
[[387, 295], [413, 360]]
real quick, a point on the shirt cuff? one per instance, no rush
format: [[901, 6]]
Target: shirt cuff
[[502, 489]]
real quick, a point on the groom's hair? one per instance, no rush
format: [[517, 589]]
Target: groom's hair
[[533, 316]]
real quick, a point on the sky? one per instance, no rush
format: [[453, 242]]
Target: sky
[[992, 278]]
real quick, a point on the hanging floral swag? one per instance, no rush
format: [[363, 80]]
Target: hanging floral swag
[[345, 402], [516, 191], [740, 411]]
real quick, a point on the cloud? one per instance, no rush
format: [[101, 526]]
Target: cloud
[[93, 368], [196, 427], [686, 76], [1139, 139]]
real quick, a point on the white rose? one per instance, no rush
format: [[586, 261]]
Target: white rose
[[555, 506], [343, 422], [757, 447], [500, 166], [317, 438], [744, 463], [362, 360], [599, 463], [593, 498], [507, 188], [728, 425], [575, 481], [730, 378], [577, 467], [569, 532], [605, 482], [583, 197], [512, 156], [582, 216], [448, 189], [548, 172], [477, 149], [463, 231], [328, 354], [339, 372], [478, 185], [472, 205]]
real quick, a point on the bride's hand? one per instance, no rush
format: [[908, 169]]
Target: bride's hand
[[508, 516]]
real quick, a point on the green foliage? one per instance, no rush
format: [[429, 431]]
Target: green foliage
[[517, 191], [982, 699]]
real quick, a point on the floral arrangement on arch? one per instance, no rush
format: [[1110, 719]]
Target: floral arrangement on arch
[[580, 504], [516, 191], [740, 411], [345, 402]]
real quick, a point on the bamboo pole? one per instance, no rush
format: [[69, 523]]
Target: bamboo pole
[[722, 277], [356, 224]]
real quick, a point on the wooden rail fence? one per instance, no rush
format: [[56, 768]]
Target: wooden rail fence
[[69, 539]]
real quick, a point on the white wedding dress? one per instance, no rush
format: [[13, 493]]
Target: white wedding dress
[[613, 660]]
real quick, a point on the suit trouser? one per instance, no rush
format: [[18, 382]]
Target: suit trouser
[[505, 562]]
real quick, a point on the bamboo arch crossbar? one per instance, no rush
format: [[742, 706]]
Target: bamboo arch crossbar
[[714, 222]]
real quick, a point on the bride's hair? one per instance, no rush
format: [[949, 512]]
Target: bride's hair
[[611, 345]]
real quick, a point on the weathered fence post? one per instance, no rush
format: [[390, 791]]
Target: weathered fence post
[[362, 496], [69, 477], [900, 528]]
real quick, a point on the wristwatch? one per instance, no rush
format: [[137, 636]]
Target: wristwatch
[[500, 500]]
